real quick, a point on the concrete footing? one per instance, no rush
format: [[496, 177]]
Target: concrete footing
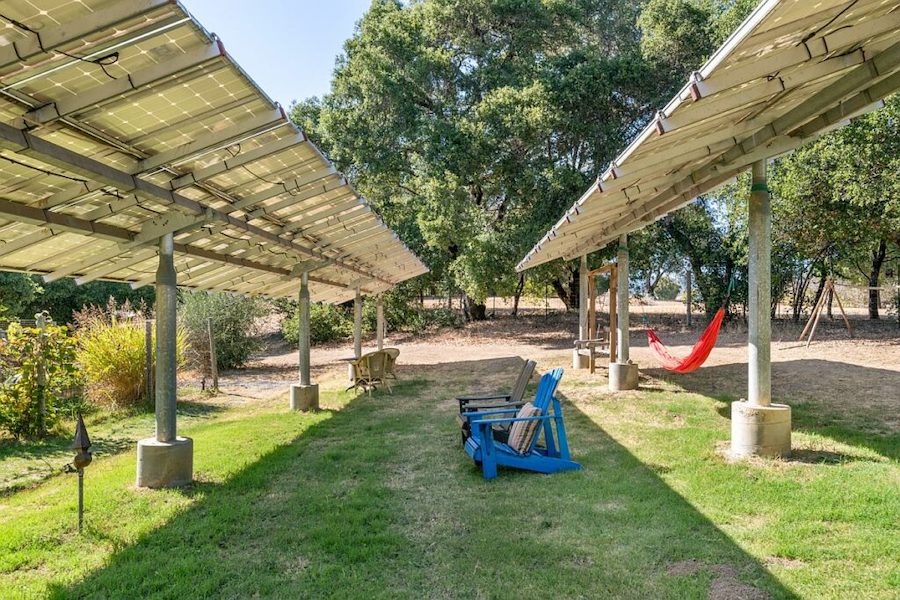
[[304, 397], [623, 376], [760, 430], [165, 464], [580, 359]]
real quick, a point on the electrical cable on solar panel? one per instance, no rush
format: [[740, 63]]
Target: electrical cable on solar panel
[[44, 171], [137, 201], [246, 168], [102, 62]]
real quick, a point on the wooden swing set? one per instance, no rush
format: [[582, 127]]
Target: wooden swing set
[[600, 342]]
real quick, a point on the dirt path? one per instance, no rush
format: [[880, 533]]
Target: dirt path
[[864, 372]]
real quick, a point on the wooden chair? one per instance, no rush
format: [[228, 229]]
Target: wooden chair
[[553, 457], [370, 370], [481, 402], [392, 354]]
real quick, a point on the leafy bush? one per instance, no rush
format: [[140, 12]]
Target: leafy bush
[[17, 291], [234, 325], [442, 317], [36, 362], [402, 312], [327, 323], [667, 288], [112, 356]]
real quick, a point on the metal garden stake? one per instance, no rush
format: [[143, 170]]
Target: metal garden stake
[[82, 459]]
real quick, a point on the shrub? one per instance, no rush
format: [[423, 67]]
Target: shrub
[[112, 356], [234, 324], [36, 362], [667, 288], [402, 312], [327, 323]]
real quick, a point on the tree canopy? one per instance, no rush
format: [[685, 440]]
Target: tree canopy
[[473, 124]]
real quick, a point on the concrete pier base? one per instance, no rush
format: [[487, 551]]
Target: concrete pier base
[[305, 397], [580, 359], [760, 430], [623, 376], [165, 464]]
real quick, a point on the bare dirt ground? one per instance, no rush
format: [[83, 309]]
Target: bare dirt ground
[[860, 374]]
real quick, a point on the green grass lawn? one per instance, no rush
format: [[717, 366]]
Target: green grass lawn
[[23, 465], [374, 498]]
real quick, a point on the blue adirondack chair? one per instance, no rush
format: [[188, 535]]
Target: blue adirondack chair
[[551, 458]]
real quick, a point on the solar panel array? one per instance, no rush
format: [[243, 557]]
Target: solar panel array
[[794, 70], [124, 120]]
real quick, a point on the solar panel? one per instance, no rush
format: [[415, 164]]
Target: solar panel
[[125, 120], [794, 70]]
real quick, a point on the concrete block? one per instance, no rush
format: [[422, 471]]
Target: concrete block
[[165, 464], [760, 430], [580, 359], [623, 376], [304, 397]]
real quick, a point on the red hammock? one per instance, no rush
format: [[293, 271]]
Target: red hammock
[[698, 354]]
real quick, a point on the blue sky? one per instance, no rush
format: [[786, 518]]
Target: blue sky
[[287, 46]]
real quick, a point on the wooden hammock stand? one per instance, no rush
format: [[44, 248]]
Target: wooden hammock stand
[[600, 342], [827, 291]]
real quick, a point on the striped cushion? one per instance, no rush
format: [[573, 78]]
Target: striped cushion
[[522, 432]]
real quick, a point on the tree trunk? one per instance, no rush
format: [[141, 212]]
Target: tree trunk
[[800, 294], [520, 287], [474, 311], [561, 292], [574, 296], [874, 275], [819, 290]]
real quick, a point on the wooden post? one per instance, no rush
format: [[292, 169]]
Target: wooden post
[[815, 320], [813, 316], [592, 308], [688, 293], [213, 357], [843, 314], [591, 317], [829, 292], [41, 322]]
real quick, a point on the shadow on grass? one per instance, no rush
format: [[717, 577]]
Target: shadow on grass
[[822, 403], [379, 500], [24, 463]]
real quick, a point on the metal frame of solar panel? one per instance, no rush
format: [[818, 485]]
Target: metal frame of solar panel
[[794, 70], [124, 120]]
